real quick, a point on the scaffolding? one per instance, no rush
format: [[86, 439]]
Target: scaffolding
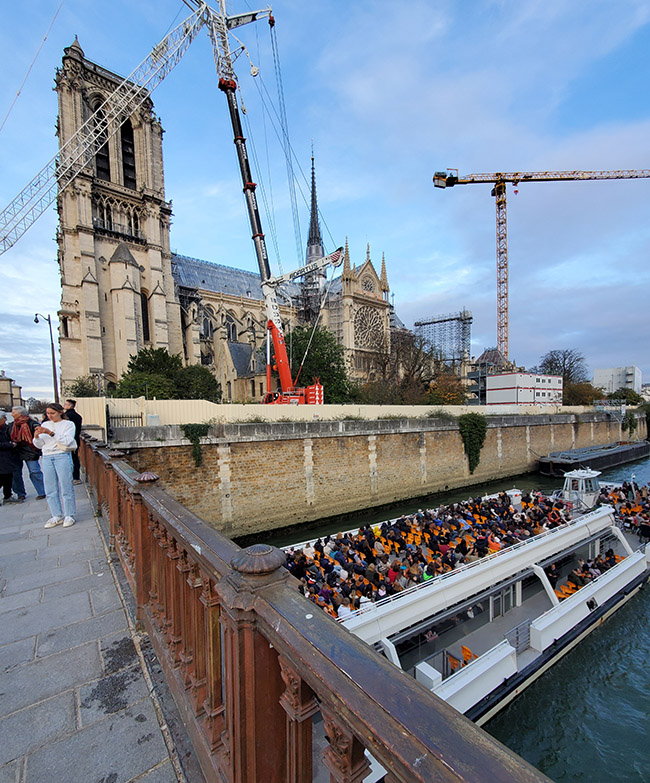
[[449, 335]]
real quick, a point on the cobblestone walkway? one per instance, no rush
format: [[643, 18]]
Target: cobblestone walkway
[[75, 703]]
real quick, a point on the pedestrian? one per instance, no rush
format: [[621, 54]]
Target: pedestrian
[[22, 433], [71, 414], [9, 460], [55, 438]]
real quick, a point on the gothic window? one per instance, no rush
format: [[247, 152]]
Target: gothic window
[[102, 159], [229, 390], [64, 327], [208, 328], [231, 329], [368, 328], [144, 306], [252, 388], [128, 155], [368, 284]]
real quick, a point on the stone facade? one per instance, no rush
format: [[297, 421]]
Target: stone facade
[[113, 240], [256, 478]]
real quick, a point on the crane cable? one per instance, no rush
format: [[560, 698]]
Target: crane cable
[[38, 51], [286, 144]]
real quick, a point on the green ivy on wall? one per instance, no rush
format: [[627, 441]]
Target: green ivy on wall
[[629, 424], [194, 433], [473, 429]]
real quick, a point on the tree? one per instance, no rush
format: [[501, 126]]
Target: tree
[[324, 361], [580, 394], [447, 389], [36, 406], [83, 386], [629, 396], [156, 361], [143, 384], [196, 382], [567, 362]]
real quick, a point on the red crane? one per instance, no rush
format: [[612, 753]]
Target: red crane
[[447, 179]]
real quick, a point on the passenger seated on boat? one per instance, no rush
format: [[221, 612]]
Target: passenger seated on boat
[[577, 578], [553, 574], [610, 558]]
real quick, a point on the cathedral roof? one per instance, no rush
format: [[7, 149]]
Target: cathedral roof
[[240, 353], [195, 273]]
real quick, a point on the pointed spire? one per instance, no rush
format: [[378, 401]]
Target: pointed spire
[[384, 277], [315, 248], [345, 275], [368, 252], [74, 49]]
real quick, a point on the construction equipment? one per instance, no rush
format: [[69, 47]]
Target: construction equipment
[[448, 179], [106, 121]]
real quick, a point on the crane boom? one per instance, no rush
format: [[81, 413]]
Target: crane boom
[[445, 179], [104, 123]]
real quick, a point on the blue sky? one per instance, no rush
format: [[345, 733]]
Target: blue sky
[[389, 93]]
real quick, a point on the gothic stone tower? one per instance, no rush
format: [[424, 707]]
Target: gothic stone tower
[[113, 239]]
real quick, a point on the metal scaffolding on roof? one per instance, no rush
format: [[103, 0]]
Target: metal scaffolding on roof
[[449, 335]]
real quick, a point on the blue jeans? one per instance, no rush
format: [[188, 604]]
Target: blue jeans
[[57, 472], [35, 475]]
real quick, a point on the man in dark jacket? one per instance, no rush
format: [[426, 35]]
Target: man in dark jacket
[[75, 418], [22, 434], [8, 457]]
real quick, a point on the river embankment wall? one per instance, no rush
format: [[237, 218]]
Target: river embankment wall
[[258, 477]]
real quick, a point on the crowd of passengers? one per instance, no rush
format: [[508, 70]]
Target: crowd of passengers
[[342, 573]]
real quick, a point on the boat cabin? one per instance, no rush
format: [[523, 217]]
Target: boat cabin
[[581, 489]]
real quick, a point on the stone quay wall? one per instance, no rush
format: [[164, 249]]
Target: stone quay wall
[[260, 477]]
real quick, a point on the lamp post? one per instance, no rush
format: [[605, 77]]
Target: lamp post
[[54, 380]]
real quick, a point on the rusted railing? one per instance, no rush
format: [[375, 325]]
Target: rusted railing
[[251, 662]]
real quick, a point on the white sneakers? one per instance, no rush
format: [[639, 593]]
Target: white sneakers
[[55, 521]]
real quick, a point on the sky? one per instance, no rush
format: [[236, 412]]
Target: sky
[[387, 93]]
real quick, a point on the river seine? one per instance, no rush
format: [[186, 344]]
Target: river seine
[[587, 718]]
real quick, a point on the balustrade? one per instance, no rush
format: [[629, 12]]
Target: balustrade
[[254, 666]]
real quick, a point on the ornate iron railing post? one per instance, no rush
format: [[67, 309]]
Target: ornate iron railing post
[[255, 731], [300, 705]]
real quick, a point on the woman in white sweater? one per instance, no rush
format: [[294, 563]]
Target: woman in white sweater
[[56, 440]]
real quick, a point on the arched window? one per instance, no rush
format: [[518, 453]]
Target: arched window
[[229, 390], [231, 329], [128, 155], [144, 306], [102, 158]]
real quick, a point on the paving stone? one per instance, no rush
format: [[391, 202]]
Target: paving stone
[[21, 545], [44, 617], [15, 570], [116, 749], [11, 535], [45, 577], [75, 634], [36, 726], [16, 653], [79, 585], [19, 557], [105, 598], [9, 773], [46, 677], [111, 694], [28, 598], [162, 774], [118, 652]]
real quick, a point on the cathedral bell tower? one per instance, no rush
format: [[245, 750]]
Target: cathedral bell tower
[[113, 238]]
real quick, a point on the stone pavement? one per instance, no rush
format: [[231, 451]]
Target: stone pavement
[[76, 701]]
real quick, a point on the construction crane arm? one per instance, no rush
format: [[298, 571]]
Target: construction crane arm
[[445, 179], [104, 123], [335, 259]]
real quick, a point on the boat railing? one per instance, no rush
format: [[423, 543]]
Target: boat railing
[[519, 636], [250, 661]]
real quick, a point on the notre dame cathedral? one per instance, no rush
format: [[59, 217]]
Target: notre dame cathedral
[[124, 290]]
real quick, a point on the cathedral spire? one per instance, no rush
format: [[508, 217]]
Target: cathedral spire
[[346, 262], [384, 277], [315, 248], [368, 252]]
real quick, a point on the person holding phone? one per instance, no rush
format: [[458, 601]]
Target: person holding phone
[[56, 439]]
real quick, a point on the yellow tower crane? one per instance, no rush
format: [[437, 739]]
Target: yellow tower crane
[[447, 179]]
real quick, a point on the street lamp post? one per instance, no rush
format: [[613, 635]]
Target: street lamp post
[[54, 380]]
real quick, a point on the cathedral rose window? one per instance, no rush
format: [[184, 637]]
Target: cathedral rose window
[[368, 328]]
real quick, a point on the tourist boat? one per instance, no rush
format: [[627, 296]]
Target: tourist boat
[[607, 456], [478, 635]]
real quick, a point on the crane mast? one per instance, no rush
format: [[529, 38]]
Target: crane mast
[[445, 179]]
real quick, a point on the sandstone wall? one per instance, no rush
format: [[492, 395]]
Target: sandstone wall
[[257, 477]]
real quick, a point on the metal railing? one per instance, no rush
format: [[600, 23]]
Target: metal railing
[[250, 661]]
